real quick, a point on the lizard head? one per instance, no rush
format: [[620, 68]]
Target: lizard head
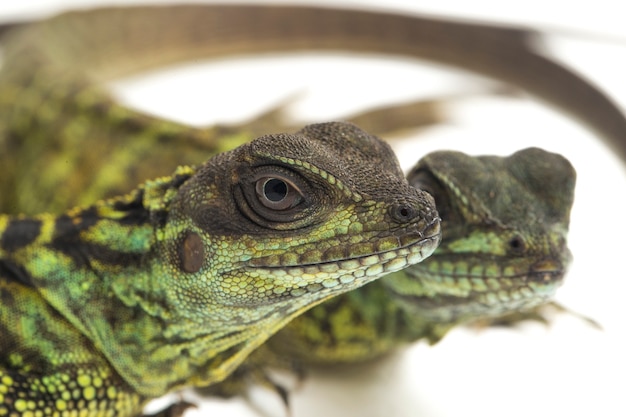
[[178, 281], [504, 222], [234, 249], [261, 233]]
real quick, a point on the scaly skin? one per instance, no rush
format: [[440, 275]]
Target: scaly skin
[[176, 283], [504, 251]]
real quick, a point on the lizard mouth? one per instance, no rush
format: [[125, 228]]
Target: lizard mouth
[[357, 265], [447, 296]]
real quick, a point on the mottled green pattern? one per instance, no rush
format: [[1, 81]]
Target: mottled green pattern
[[115, 336], [504, 252], [504, 249], [176, 283]]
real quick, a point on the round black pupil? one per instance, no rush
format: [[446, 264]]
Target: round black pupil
[[275, 190]]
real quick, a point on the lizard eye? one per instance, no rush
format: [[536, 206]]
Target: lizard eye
[[275, 197], [277, 193]]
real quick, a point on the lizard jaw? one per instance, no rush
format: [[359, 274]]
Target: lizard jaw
[[448, 297], [346, 273]]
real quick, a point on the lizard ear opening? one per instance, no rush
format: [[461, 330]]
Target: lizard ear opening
[[191, 252]]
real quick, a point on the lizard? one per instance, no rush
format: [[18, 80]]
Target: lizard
[[174, 284], [121, 119]]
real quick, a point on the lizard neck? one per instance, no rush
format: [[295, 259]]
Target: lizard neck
[[95, 265], [111, 238]]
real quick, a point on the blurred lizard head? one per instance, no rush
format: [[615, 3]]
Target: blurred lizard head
[[504, 225]]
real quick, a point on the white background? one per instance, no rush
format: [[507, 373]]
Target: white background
[[568, 368]]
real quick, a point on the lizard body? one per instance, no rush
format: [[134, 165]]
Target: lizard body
[[176, 283]]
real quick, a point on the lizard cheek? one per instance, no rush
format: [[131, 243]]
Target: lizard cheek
[[191, 252]]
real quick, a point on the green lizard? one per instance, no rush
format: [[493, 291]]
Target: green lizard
[[117, 120], [177, 282]]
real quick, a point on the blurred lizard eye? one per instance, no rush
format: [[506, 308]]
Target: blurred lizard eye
[[277, 193]]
